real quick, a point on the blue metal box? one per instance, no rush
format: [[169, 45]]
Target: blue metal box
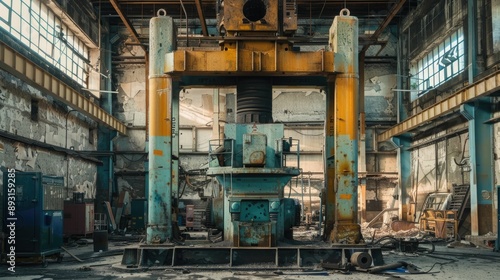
[[37, 215]]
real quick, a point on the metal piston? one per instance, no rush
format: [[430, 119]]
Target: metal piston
[[254, 100]]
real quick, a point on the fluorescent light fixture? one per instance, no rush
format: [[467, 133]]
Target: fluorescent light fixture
[[98, 90]]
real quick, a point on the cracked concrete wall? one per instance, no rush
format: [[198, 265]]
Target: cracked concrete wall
[[438, 165], [50, 129], [306, 105], [381, 159], [130, 107], [380, 100]]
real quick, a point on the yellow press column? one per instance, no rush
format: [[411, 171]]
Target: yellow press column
[[159, 228], [344, 41]]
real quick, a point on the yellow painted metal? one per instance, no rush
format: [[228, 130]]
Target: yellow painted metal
[[23, 68], [480, 88], [346, 91], [343, 40], [250, 57], [160, 98]]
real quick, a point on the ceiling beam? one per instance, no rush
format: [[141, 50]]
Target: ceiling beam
[[386, 22], [125, 20], [481, 88], [202, 18], [23, 68]]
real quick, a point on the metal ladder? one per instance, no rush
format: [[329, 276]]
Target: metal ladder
[[460, 202]]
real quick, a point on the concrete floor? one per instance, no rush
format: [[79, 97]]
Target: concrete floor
[[461, 262]]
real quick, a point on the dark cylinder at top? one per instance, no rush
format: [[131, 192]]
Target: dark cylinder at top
[[254, 100]]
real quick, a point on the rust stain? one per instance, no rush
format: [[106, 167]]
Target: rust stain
[[158, 152], [345, 167], [346, 196]]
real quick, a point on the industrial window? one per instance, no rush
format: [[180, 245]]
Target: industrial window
[[442, 63], [37, 27]]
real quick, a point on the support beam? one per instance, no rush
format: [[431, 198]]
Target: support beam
[[125, 20], [362, 139], [105, 173], [404, 177], [244, 58], [328, 197], [175, 156], [481, 163], [201, 15], [383, 25], [471, 40], [23, 68], [344, 41], [480, 88]]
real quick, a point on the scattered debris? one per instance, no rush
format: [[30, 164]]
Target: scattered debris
[[461, 243], [75, 257], [412, 269], [402, 225], [84, 268]]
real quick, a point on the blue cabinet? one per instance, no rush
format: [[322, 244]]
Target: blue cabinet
[[38, 217]]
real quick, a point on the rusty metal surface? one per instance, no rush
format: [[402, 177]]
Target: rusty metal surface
[[341, 145], [251, 15], [203, 257], [243, 58], [346, 234], [255, 234], [361, 259], [482, 87], [402, 225], [159, 228]]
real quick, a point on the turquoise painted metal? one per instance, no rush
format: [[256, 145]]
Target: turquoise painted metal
[[481, 158], [248, 171], [250, 162], [249, 165], [404, 170], [162, 40], [341, 143], [105, 172]]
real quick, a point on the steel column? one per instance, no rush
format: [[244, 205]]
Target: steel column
[[105, 172], [329, 161], [159, 228], [344, 40], [175, 144], [481, 161], [471, 39], [404, 170], [362, 138]]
